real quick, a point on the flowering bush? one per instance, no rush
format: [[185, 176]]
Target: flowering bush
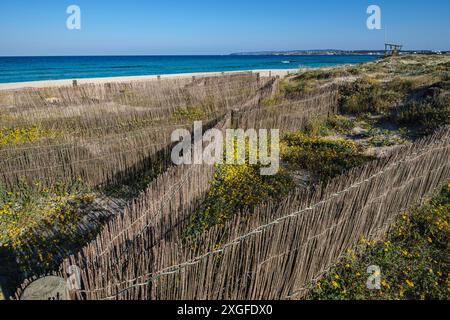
[[238, 188], [17, 136]]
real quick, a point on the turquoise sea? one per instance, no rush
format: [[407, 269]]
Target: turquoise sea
[[19, 69]]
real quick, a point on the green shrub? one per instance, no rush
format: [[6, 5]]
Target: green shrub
[[29, 212], [340, 123], [294, 88], [430, 113], [306, 81], [189, 114], [324, 157], [237, 188], [407, 85], [366, 95]]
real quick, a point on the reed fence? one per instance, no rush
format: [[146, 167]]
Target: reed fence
[[105, 133], [273, 253], [278, 250], [290, 115]]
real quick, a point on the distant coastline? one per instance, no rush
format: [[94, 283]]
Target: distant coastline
[[332, 52]]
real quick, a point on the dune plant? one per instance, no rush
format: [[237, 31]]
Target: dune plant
[[366, 95], [324, 157], [29, 211], [237, 188]]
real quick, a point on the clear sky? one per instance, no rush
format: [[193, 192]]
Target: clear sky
[[128, 27]]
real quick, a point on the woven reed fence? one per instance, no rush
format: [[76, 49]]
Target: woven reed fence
[[96, 162], [99, 147], [120, 240], [279, 250], [163, 93], [103, 152], [275, 252], [291, 115], [159, 208]]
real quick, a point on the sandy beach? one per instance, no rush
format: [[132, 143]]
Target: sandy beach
[[69, 82]]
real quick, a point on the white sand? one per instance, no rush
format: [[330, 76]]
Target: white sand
[[68, 82]]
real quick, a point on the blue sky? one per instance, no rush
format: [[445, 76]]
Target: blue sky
[[108, 27]]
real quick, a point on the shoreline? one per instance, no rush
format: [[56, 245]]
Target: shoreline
[[69, 82]]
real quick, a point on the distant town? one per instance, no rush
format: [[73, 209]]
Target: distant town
[[332, 52]]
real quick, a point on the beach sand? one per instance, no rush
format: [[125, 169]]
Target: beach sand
[[69, 82]]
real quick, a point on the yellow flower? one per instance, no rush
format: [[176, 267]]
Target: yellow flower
[[410, 283], [335, 284], [384, 283]]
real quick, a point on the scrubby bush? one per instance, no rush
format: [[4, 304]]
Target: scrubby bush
[[295, 88], [237, 188], [429, 114], [324, 157], [27, 211], [189, 114], [366, 95], [407, 85], [306, 81], [340, 123]]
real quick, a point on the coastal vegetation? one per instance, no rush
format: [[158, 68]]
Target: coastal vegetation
[[410, 106], [15, 136], [100, 156], [34, 219]]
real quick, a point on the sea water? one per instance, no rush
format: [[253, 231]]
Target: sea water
[[20, 69]]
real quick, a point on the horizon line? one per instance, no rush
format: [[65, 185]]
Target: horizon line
[[199, 55]]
